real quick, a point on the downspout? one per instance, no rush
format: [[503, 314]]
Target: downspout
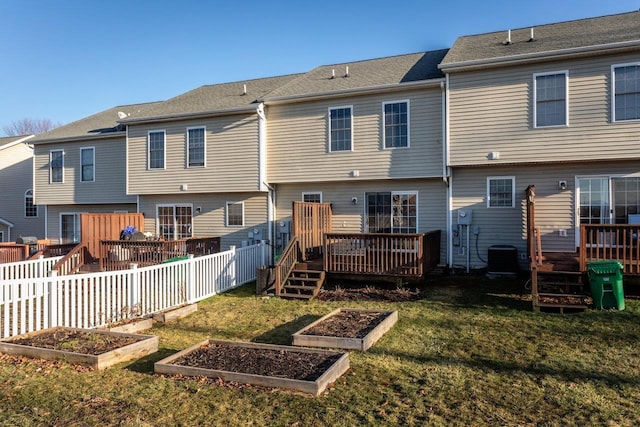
[[126, 162], [446, 170], [262, 176]]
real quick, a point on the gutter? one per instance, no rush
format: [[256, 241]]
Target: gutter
[[529, 57], [110, 135], [169, 117]]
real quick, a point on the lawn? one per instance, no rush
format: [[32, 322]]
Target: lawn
[[470, 352]]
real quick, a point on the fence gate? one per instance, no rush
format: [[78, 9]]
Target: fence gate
[[310, 222]]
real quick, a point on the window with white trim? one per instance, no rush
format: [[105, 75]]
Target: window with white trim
[[312, 197], [501, 192], [56, 166], [30, 210], [174, 221], [156, 151], [550, 93], [69, 228], [196, 147], [626, 92], [340, 129], [235, 214], [391, 212], [395, 119], [87, 164]]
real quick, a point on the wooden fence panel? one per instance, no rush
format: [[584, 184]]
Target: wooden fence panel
[[310, 222], [106, 226]]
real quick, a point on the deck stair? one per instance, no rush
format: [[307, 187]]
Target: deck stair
[[303, 284]]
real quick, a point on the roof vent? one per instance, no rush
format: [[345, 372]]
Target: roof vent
[[333, 73], [531, 38], [508, 40], [244, 89], [346, 71]]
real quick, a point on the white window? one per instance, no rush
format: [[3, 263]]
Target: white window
[[501, 192], [626, 92], [395, 124], [156, 151], [341, 129], [312, 197], [30, 210], [174, 221], [550, 99], [87, 164], [69, 228], [56, 166], [196, 147], [391, 212], [235, 214]]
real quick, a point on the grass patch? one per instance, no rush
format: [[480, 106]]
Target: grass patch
[[471, 352]]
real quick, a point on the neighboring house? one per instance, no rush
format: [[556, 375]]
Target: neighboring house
[[81, 167], [366, 137], [197, 163], [556, 106], [19, 215]]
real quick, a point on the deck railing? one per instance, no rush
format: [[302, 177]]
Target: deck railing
[[73, 261], [120, 254], [620, 242], [404, 255], [286, 263]]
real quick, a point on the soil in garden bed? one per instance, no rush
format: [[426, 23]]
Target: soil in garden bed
[[347, 324], [76, 341], [380, 292], [259, 361]]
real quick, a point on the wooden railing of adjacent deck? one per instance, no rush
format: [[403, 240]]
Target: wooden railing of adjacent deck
[[73, 261], [381, 254], [120, 254], [286, 263], [50, 251], [12, 252], [619, 242]]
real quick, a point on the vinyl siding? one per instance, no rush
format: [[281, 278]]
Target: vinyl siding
[[492, 111], [231, 157], [298, 142], [109, 174], [349, 218], [555, 209], [54, 211], [16, 177], [212, 218]]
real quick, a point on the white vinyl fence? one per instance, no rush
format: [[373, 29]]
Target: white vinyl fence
[[30, 304], [28, 269]]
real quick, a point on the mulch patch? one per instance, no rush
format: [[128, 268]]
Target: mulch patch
[[368, 293], [347, 324], [259, 361], [75, 341]]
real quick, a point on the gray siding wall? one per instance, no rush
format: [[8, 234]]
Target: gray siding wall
[[298, 150], [16, 177], [54, 211], [492, 110], [109, 184], [555, 208], [211, 220], [232, 162], [349, 218]]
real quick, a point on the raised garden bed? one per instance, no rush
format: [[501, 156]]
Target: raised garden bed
[[97, 349], [306, 370], [347, 328], [133, 326], [175, 313]]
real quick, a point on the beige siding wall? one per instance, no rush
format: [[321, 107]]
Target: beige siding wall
[[492, 111], [109, 184], [211, 221], [555, 208], [231, 157], [298, 142], [349, 218], [54, 211], [16, 177]]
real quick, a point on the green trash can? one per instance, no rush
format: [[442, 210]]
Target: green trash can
[[605, 279]]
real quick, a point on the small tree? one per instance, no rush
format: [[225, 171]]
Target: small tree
[[28, 126]]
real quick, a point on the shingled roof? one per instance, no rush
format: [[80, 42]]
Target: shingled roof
[[371, 73], [552, 39], [8, 141]]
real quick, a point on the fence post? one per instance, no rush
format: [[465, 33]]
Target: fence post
[[263, 252], [191, 280], [232, 266], [53, 299], [134, 292]]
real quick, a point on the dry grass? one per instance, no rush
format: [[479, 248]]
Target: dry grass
[[471, 352]]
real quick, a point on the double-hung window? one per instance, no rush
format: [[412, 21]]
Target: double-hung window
[[156, 149], [501, 192], [196, 147], [550, 99], [87, 164], [312, 197], [30, 210], [395, 119], [235, 214], [56, 166], [391, 212], [626, 92], [341, 129]]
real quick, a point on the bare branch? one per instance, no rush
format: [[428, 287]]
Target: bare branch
[[28, 126]]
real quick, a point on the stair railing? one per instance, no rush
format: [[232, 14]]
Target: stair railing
[[73, 261], [286, 263]]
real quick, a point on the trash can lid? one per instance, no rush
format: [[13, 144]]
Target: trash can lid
[[605, 267]]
